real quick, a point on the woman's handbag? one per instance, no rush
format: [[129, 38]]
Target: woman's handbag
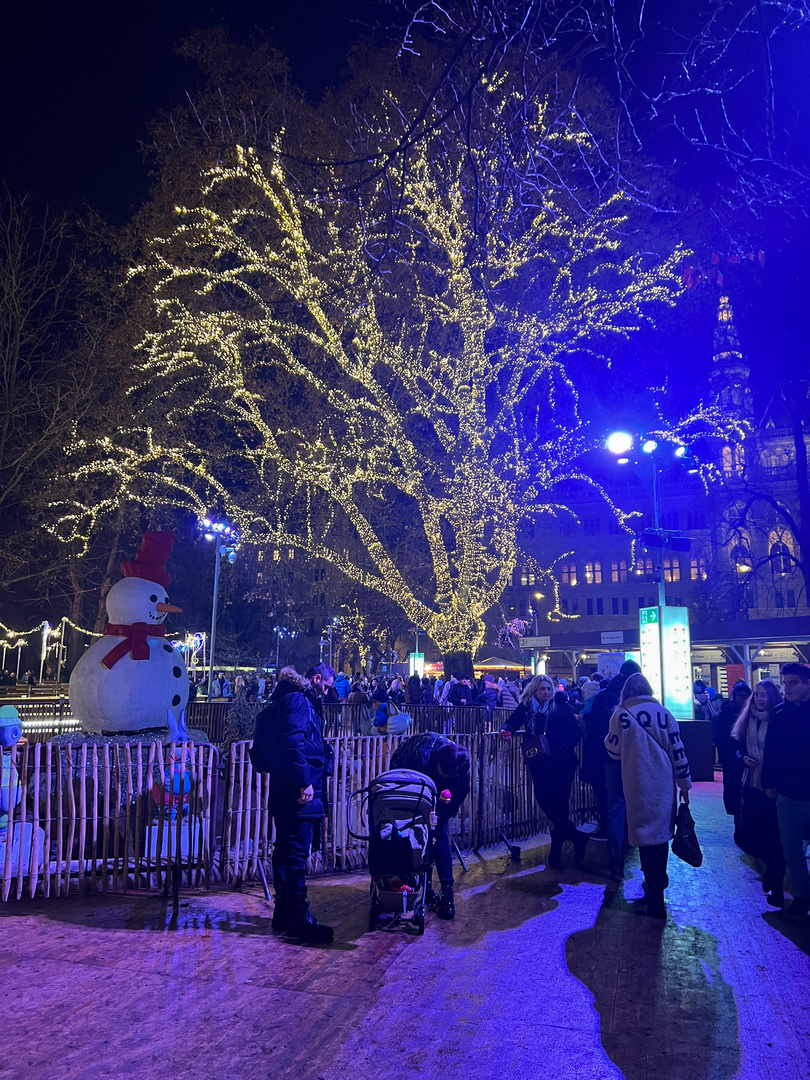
[[685, 843], [536, 746]]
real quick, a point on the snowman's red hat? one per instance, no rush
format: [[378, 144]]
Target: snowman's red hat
[[150, 562]]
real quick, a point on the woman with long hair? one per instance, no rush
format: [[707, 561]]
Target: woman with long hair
[[552, 772], [644, 737], [757, 831]]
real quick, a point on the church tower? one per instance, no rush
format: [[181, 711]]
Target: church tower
[[730, 376]]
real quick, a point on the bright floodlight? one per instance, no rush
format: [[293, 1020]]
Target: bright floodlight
[[680, 451], [619, 442], [649, 446], [623, 460]]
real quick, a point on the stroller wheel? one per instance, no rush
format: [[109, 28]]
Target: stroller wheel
[[419, 921]]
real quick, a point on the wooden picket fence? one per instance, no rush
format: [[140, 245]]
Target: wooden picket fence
[[111, 818], [499, 808], [106, 817]]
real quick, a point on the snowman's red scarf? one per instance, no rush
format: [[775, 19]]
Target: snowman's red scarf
[[134, 642]]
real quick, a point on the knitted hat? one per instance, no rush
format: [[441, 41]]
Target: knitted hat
[[150, 562]]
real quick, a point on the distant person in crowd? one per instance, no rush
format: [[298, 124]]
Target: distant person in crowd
[[448, 766], [722, 725], [553, 773], [427, 692], [238, 685], [192, 688], [342, 685], [30, 680], [396, 691], [490, 696], [289, 739], [757, 831], [448, 687], [603, 773], [414, 690], [786, 777], [461, 692], [221, 687], [510, 694], [645, 740], [438, 688]]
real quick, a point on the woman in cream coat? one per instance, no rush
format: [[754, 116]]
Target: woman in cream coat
[[644, 737]]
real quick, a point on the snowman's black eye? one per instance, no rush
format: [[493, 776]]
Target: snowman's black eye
[[153, 598], [165, 599]]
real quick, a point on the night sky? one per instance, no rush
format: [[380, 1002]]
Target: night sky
[[81, 82]]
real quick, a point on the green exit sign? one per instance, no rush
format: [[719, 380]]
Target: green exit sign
[[648, 615]]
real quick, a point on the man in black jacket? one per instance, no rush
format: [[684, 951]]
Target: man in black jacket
[[786, 777], [289, 745], [448, 766], [604, 774]]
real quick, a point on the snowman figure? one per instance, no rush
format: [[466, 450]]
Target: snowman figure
[[132, 678]]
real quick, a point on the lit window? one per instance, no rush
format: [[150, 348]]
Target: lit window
[[260, 578], [645, 569], [593, 573], [618, 571], [568, 573], [698, 568], [672, 569], [526, 576], [259, 556], [780, 559], [276, 555], [291, 553]]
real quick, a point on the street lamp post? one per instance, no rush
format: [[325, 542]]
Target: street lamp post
[[226, 539]]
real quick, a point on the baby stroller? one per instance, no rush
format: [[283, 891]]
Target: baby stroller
[[400, 806]]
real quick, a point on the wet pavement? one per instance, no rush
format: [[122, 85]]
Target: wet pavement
[[541, 975]]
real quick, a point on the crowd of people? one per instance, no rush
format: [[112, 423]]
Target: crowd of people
[[632, 755]]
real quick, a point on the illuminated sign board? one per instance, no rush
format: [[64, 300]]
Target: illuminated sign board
[[666, 657], [417, 664], [649, 636], [676, 650]]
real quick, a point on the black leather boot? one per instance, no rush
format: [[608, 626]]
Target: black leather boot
[[555, 851], [281, 913], [447, 907], [304, 928], [580, 842]]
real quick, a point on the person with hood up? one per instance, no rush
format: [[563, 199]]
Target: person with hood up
[[288, 744], [645, 741]]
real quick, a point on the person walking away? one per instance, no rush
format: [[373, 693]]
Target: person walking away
[[757, 832], [553, 773], [731, 764], [786, 778], [645, 740], [290, 740], [489, 697], [510, 694], [414, 689], [607, 785], [448, 766]]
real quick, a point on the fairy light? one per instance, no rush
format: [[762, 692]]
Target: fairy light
[[308, 302]]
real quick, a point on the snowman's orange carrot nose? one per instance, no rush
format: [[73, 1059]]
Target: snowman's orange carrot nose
[[169, 608]]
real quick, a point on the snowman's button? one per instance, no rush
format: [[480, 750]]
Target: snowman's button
[[177, 672], [175, 700], [168, 648]]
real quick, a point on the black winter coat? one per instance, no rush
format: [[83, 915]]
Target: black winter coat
[[562, 730], [289, 741], [419, 753], [597, 724]]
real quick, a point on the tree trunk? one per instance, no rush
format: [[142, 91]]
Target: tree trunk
[[459, 663]]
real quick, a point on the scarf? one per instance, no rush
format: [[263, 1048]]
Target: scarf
[[134, 642], [755, 745]]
